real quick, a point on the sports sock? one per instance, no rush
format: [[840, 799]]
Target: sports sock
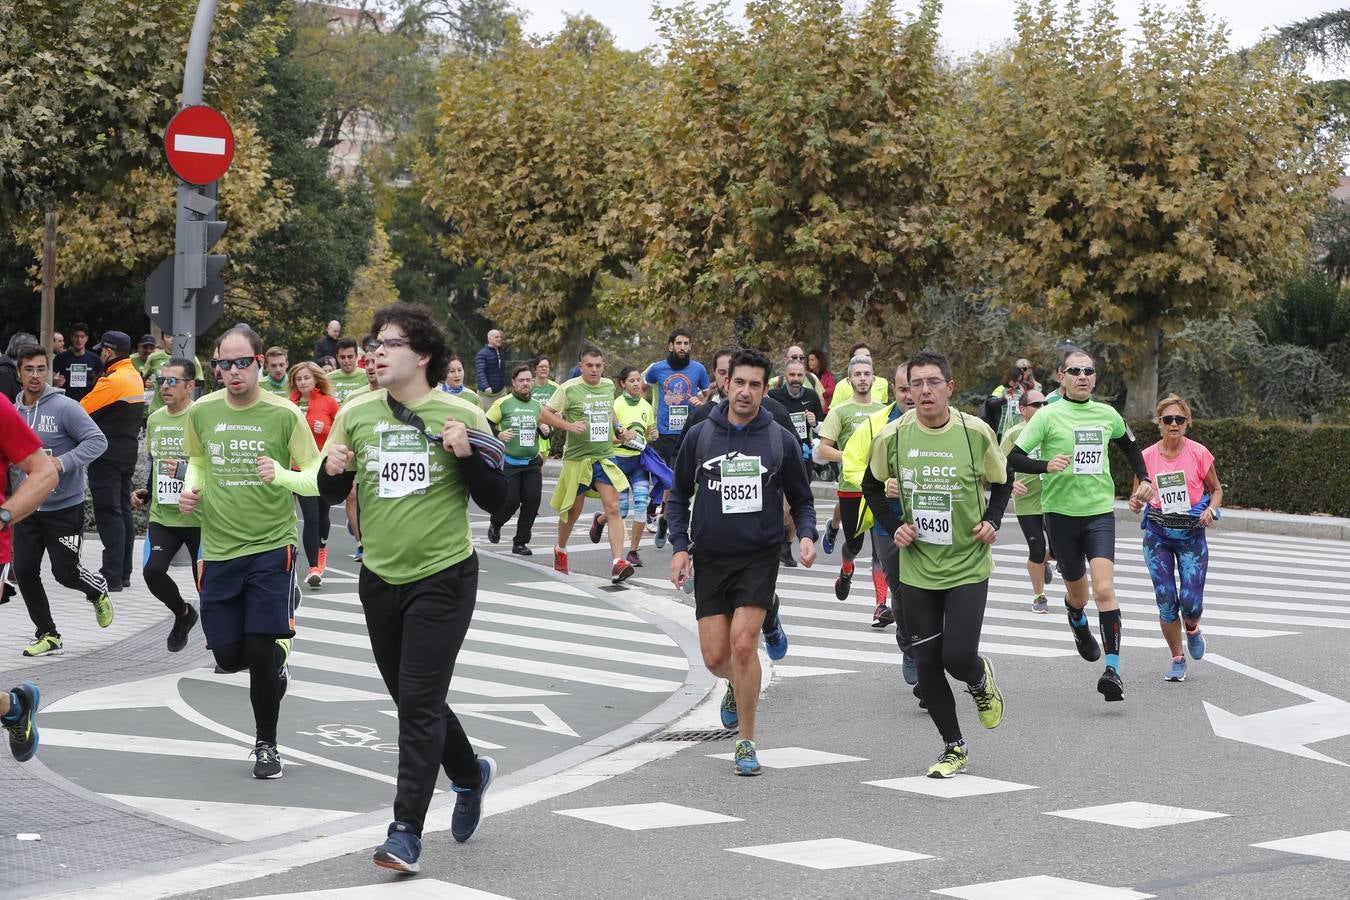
[[1110, 625], [879, 583], [1077, 618], [846, 568]]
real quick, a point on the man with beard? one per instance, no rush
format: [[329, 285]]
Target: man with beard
[[678, 383]]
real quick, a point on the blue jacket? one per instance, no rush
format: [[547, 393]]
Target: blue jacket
[[491, 367]]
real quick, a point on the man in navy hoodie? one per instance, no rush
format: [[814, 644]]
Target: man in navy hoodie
[[741, 464]]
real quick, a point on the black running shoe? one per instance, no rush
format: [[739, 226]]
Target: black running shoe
[[662, 529], [1088, 648], [182, 625], [494, 533], [1110, 686], [842, 584], [268, 763], [521, 550]]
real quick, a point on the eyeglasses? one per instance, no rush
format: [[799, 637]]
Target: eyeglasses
[[392, 343], [1173, 420], [242, 363], [1080, 370], [35, 370], [932, 384], [172, 380], [1035, 404]]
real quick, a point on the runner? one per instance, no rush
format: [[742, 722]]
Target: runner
[[835, 431], [634, 413], [516, 418], [1002, 409], [736, 468], [802, 404], [308, 388], [240, 444], [56, 529], [454, 382], [1078, 497], [797, 354], [678, 385], [275, 380], [1187, 501], [168, 529], [21, 449], [418, 465], [1027, 504], [843, 391], [941, 458], [542, 388], [583, 407], [350, 507], [348, 378]]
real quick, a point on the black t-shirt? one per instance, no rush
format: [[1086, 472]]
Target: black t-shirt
[[807, 401], [86, 376]]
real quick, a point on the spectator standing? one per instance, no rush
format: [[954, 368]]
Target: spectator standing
[[58, 342], [818, 364], [1003, 409], [491, 366], [77, 369], [327, 344]]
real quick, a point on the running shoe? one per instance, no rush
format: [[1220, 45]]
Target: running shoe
[[268, 762], [882, 616], [1177, 672], [831, 535], [23, 730], [910, 669], [988, 699], [1195, 644], [323, 560], [469, 803], [786, 557], [776, 641], [918, 695], [521, 550], [1049, 573], [1110, 686], [46, 643], [284, 673], [1039, 604], [359, 553], [952, 761], [1088, 648], [622, 571], [315, 577], [182, 625], [494, 533], [634, 560], [651, 523], [843, 583], [747, 763], [103, 610], [729, 717], [662, 529], [597, 528], [400, 850], [560, 561]]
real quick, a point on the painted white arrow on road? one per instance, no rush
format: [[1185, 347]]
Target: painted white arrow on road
[[1288, 729], [548, 720]]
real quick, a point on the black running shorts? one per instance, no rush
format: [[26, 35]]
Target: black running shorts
[[723, 584], [1078, 539]]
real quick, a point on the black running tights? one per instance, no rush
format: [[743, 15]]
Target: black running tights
[[260, 654], [314, 534], [944, 633]]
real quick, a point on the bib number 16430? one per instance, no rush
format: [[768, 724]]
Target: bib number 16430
[[933, 516]]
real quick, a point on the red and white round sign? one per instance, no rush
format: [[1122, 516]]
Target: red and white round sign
[[199, 144]]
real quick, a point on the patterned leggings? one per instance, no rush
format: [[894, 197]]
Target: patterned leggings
[[1169, 551]]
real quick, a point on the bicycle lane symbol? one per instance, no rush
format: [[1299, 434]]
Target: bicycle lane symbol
[[357, 737]]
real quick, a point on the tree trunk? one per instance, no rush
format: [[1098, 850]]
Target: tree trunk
[[574, 338], [47, 320], [1141, 381], [823, 316]]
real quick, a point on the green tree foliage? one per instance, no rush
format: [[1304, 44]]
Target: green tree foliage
[[534, 164], [1133, 191], [791, 165], [373, 286]]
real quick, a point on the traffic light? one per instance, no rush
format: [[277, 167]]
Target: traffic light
[[200, 286]]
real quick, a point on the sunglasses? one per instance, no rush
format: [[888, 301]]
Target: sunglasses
[[1036, 404], [1080, 370], [1174, 420], [242, 363], [172, 380]]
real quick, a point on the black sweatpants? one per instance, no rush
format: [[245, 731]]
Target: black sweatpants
[[944, 633], [524, 491], [163, 543], [110, 487], [314, 532], [416, 631], [888, 556], [58, 534]]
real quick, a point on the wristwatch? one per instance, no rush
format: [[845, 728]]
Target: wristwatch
[[5, 518]]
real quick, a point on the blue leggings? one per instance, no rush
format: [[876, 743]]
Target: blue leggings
[[1167, 552], [640, 488]]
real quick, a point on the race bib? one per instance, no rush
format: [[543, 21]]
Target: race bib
[[405, 463], [525, 428], [799, 422], [599, 422], [167, 489], [741, 485], [1089, 450], [932, 516], [78, 376], [639, 441], [677, 416], [1171, 486]]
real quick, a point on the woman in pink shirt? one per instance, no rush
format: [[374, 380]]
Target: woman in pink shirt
[[1186, 500]]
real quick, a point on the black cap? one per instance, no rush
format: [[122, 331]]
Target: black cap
[[147, 339], [116, 341]]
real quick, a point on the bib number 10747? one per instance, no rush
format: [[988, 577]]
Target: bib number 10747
[[1089, 451], [1172, 493]]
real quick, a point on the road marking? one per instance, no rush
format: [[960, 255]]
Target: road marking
[[137, 743], [545, 718], [552, 586], [793, 757], [829, 853], [1327, 844], [1134, 814], [238, 821], [343, 666], [533, 604], [319, 691], [845, 654], [403, 889], [1041, 887], [950, 788], [602, 677], [477, 742], [646, 816]]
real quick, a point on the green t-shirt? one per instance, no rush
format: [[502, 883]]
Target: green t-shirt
[[543, 393], [1081, 432], [521, 417], [577, 401], [637, 415], [1029, 504], [164, 439], [940, 472], [413, 496], [282, 390], [159, 358], [239, 514], [839, 426], [465, 393], [344, 385]]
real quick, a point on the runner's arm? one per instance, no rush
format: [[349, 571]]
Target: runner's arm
[[683, 488], [39, 481], [304, 482], [487, 483], [874, 492], [998, 500], [1018, 461], [194, 478], [90, 442], [1130, 448], [333, 489]]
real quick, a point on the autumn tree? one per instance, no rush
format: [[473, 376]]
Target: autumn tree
[[1132, 190]]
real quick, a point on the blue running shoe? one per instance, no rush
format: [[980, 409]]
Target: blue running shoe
[[776, 641], [400, 850], [23, 730], [729, 717], [1177, 672], [747, 763], [1195, 644], [469, 803], [831, 534], [910, 668]]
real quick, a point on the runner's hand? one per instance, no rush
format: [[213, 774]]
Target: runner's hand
[[455, 438], [506, 436], [266, 470], [984, 532], [681, 568], [810, 418], [1019, 489], [139, 498], [1058, 464], [1207, 518], [1144, 492], [545, 431], [318, 426], [905, 535], [652, 433], [892, 489], [339, 456], [578, 427], [807, 552], [188, 500], [1136, 505]]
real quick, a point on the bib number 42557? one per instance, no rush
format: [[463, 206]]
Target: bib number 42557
[[1089, 451]]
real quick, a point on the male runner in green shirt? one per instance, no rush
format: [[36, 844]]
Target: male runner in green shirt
[[516, 418], [348, 378]]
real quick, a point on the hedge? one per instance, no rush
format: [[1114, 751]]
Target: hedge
[[1279, 466]]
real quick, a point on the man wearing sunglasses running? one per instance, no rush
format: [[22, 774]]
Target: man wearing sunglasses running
[[1079, 498], [1027, 505], [241, 444]]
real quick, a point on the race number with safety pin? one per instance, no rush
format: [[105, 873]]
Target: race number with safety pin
[[405, 466], [1176, 500], [741, 485], [599, 421], [1089, 449], [932, 516], [799, 422], [525, 427]]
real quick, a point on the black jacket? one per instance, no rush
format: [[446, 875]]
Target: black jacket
[[739, 533], [809, 400]]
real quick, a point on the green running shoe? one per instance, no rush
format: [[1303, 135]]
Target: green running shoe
[[47, 643], [952, 761], [103, 610], [23, 731], [284, 672], [989, 700], [729, 717]]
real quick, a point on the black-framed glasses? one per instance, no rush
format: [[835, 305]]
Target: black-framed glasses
[[1034, 404], [392, 343], [172, 380], [1173, 420], [1080, 370], [242, 363]]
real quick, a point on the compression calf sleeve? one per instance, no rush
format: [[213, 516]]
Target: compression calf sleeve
[[1110, 625]]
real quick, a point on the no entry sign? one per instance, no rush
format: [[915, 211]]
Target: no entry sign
[[199, 144]]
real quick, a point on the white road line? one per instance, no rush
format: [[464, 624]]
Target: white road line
[[138, 743], [599, 677], [361, 669]]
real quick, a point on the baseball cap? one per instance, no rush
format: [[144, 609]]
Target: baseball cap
[[146, 339], [114, 340]]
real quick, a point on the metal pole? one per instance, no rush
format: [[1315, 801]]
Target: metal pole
[[194, 74], [47, 319]]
